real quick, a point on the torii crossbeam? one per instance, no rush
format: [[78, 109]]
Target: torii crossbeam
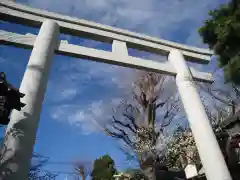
[[47, 43]]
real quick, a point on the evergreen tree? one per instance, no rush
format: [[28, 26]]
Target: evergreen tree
[[222, 33], [103, 168]]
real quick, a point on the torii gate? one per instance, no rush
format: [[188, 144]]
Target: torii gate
[[47, 43]]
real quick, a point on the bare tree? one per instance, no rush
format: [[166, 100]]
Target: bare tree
[[37, 162], [82, 169], [140, 122], [220, 96], [36, 173]]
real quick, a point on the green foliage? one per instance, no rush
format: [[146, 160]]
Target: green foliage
[[222, 33], [103, 168]]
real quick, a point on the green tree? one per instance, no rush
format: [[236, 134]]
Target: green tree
[[222, 33], [103, 168]]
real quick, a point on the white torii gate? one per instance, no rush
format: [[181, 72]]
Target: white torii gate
[[46, 44]]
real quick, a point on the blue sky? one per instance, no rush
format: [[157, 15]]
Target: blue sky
[[81, 93]]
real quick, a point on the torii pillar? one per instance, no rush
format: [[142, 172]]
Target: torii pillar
[[208, 148], [16, 160]]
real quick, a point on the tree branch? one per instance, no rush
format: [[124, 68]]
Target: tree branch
[[171, 113], [122, 135], [124, 125], [161, 104], [210, 92]]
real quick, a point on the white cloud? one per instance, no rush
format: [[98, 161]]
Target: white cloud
[[79, 76], [60, 112], [69, 93], [151, 17], [90, 118]]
